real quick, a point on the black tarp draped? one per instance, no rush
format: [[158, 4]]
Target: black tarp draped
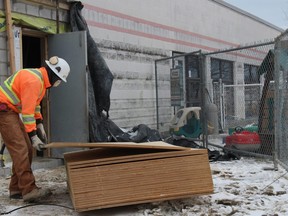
[[100, 79]]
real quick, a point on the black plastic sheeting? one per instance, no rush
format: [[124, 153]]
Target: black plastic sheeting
[[101, 76], [138, 134], [214, 155], [100, 79]]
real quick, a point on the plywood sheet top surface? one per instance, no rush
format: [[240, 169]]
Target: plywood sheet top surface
[[146, 145]]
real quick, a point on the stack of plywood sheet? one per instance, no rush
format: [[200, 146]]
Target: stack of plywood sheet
[[117, 174]]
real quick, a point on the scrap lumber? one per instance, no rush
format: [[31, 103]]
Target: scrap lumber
[[118, 174]]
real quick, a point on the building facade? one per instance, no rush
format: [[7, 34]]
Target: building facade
[[132, 34]]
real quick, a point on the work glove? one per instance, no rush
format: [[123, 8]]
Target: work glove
[[37, 143], [41, 132]]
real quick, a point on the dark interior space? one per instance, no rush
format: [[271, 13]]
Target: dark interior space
[[31, 47], [31, 56]]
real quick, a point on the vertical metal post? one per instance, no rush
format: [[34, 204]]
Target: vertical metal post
[[221, 103], [278, 106], [203, 99], [157, 104], [222, 107]]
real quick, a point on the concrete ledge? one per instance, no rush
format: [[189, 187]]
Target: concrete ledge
[[46, 163]]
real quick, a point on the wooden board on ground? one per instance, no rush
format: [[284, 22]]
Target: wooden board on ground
[[124, 175], [146, 145]]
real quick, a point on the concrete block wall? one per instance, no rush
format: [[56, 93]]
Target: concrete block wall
[[168, 24], [132, 34], [4, 64], [39, 11], [135, 33], [3, 57], [133, 91]]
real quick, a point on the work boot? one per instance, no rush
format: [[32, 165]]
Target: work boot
[[15, 195], [36, 194]]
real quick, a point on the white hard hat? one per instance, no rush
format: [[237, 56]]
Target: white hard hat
[[59, 66]]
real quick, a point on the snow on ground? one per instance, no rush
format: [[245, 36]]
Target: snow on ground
[[241, 187]]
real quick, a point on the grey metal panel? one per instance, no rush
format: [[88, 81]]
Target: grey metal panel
[[68, 103]]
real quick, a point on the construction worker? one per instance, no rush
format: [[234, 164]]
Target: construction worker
[[21, 122]]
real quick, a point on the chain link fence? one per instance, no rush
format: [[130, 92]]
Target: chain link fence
[[249, 87], [238, 81], [171, 81], [281, 99], [242, 89], [252, 97]]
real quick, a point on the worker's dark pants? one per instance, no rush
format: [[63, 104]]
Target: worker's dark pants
[[20, 149]]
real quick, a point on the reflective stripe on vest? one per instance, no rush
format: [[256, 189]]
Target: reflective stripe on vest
[[38, 109], [28, 119], [7, 90], [10, 94]]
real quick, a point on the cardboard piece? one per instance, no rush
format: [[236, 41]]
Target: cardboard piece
[[116, 176]]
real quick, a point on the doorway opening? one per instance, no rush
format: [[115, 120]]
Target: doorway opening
[[31, 52], [33, 56]]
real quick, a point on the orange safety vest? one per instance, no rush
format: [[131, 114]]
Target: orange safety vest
[[23, 92]]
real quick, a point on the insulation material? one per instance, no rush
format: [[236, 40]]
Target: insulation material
[[122, 175]]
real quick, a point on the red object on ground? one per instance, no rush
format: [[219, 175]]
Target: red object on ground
[[244, 140]]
